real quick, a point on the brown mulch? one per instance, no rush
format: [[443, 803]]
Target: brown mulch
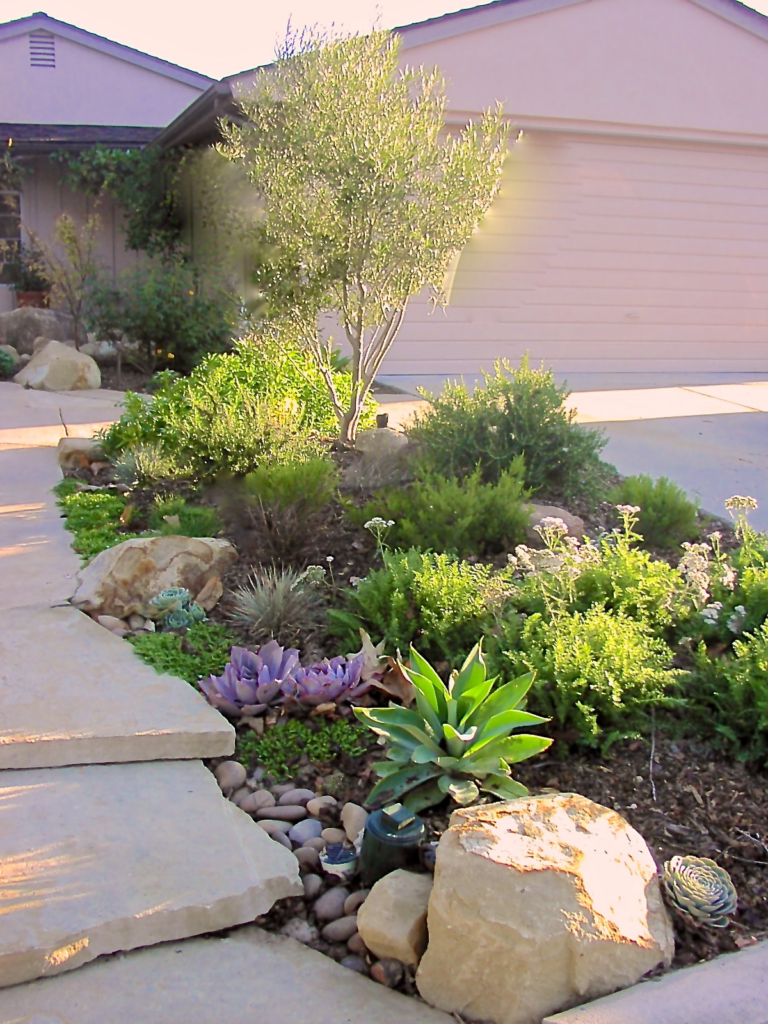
[[129, 379]]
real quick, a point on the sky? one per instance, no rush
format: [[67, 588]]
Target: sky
[[232, 35]]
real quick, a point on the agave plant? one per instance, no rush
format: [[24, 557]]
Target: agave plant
[[334, 681], [174, 609], [456, 741], [251, 681], [700, 889]]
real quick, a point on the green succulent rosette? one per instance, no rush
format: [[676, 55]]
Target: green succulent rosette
[[701, 890]]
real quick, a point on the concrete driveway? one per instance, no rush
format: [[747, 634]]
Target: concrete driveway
[[707, 432]]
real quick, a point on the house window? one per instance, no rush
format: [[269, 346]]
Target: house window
[[42, 50], [10, 232]]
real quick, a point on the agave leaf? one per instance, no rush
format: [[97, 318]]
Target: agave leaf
[[502, 725], [426, 795], [506, 788], [396, 724], [394, 786], [505, 698], [386, 768], [423, 755], [508, 748], [457, 742], [424, 678], [432, 723], [463, 791], [471, 673], [472, 699], [448, 763]]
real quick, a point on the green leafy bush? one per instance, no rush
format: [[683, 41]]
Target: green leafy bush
[[728, 698], [7, 365], [266, 403], [456, 742], [175, 516], [517, 413], [281, 748], [94, 518], [435, 602], [311, 484], [665, 515], [460, 516], [201, 652], [597, 673]]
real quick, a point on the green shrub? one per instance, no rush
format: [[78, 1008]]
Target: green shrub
[[175, 516], [309, 485], [201, 652], [282, 747], [266, 403], [597, 673], [517, 413], [728, 699], [7, 365], [459, 516], [666, 517], [435, 602]]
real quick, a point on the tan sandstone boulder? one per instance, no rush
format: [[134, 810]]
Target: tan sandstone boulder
[[122, 580], [540, 904], [57, 367], [539, 513], [393, 920], [77, 452]]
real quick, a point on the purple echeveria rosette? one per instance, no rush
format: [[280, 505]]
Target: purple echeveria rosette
[[251, 681], [327, 682]]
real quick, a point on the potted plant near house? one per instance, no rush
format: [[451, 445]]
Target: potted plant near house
[[26, 274]]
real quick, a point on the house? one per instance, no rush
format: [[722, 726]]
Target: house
[[62, 88], [631, 231]]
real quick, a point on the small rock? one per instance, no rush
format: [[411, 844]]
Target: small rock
[[78, 452], [282, 838], [300, 930], [355, 900], [354, 963], [230, 776], [318, 844], [271, 826], [387, 972], [113, 624], [211, 594], [239, 795], [393, 919], [305, 830], [136, 621], [336, 950], [312, 886], [575, 524], [353, 818], [340, 930], [296, 797], [333, 835], [282, 787], [356, 944], [330, 906], [288, 813], [258, 801], [307, 857], [320, 804]]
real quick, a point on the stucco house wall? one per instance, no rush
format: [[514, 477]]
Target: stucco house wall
[[631, 230]]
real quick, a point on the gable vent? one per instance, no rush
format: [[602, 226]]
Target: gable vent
[[42, 50]]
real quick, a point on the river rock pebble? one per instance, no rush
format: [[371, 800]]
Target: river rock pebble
[[305, 830], [387, 972], [136, 621], [239, 795], [353, 818], [283, 787], [318, 844], [290, 812], [296, 796], [330, 906], [313, 885], [282, 838], [340, 930], [257, 801], [307, 857], [336, 951], [356, 945], [333, 835], [271, 826], [354, 963], [113, 624], [355, 900], [321, 805], [300, 930], [230, 776]]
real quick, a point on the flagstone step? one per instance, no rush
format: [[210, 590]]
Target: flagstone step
[[73, 693], [100, 858], [732, 989], [249, 977]]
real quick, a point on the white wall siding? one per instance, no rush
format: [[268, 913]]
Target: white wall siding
[[609, 254]]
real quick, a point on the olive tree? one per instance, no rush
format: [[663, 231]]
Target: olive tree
[[366, 196]]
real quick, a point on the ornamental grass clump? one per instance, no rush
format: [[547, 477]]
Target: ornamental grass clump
[[701, 890], [278, 604], [457, 741]]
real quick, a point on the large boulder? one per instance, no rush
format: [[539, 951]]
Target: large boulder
[[57, 367], [122, 580], [21, 327], [540, 904]]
